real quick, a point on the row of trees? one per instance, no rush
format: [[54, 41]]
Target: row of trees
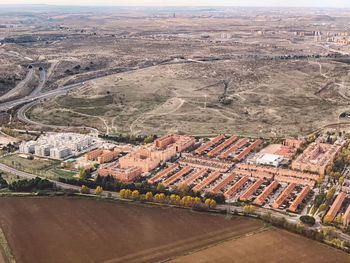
[[85, 190], [32, 185], [326, 235], [343, 158], [108, 183], [186, 201], [130, 138]]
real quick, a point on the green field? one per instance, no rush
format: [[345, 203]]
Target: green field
[[38, 166]]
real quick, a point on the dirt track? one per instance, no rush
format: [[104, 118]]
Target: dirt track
[[74, 230]]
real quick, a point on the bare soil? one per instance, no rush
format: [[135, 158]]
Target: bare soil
[[269, 246], [77, 230]]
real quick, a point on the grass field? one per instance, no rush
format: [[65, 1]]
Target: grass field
[[273, 246], [38, 166], [76, 230]]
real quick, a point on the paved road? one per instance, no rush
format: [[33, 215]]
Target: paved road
[[22, 117], [16, 90], [11, 170]]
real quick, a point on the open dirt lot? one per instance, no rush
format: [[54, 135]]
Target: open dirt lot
[[269, 246], [265, 98], [74, 230]]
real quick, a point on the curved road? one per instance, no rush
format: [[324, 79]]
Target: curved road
[[22, 117], [15, 91]]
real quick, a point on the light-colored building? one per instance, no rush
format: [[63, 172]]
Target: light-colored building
[[59, 145], [270, 159]]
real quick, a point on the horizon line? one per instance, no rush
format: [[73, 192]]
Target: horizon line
[[109, 5]]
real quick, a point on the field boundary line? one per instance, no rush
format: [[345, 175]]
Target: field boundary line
[[6, 248], [262, 229]]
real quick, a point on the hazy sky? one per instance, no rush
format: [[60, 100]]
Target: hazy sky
[[311, 3]]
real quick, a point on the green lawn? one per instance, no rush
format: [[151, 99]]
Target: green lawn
[[41, 167]]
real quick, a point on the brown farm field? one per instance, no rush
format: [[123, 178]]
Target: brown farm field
[[268, 246], [78, 230]]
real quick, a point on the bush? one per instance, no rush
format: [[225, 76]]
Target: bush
[[308, 220]]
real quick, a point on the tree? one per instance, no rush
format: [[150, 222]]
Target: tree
[[330, 193], [159, 198], [249, 209], [338, 219], [148, 139], [160, 187], [197, 200], [83, 174], [341, 180], [327, 219], [98, 190], [322, 207], [122, 193], [149, 196], [128, 193], [212, 204], [135, 195], [84, 190], [183, 189], [173, 199], [308, 220]]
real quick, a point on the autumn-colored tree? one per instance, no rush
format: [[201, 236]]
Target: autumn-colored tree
[[212, 204], [249, 209], [246, 209], [128, 193], [84, 189], [197, 200], [177, 199], [98, 190], [161, 198], [149, 196], [135, 195], [148, 139], [187, 201], [172, 199], [122, 193], [330, 193], [329, 169], [327, 219], [341, 180]]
